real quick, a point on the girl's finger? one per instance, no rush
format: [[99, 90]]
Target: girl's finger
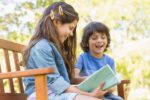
[[101, 85]]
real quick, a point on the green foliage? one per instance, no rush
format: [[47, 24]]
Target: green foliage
[[134, 65], [13, 36], [28, 5], [20, 24], [45, 3]]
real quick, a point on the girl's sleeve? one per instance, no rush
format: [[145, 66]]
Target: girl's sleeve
[[79, 63], [43, 58]]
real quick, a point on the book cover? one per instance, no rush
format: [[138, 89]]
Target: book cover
[[105, 74]]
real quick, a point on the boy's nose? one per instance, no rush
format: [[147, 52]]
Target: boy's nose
[[99, 40]]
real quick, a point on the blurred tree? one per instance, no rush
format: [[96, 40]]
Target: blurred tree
[[128, 21], [19, 24]]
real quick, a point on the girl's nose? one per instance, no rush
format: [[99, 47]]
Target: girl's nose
[[71, 34]]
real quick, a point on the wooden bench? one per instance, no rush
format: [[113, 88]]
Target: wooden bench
[[11, 73]]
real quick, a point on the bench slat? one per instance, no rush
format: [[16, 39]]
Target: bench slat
[[17, 67], [10, 81]]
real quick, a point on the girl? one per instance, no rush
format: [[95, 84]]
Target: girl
[[54, 44], [95, 41]]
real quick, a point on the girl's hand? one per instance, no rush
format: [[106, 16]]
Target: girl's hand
[[111, 90], [98, 93]]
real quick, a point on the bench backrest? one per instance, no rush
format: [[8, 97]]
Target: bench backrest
[[11, 60]]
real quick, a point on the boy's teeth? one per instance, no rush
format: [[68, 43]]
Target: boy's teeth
[[98, 46]]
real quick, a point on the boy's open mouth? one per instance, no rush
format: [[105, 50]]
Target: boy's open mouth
[[99, 46]]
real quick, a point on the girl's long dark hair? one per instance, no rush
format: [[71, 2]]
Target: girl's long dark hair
[[45, 29]]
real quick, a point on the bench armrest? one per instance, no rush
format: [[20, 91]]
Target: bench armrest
[[40, 79], [26, 73], [125, 81], [120, 88]]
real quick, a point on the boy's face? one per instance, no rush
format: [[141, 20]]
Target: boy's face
[[65, 30], [97, 44]]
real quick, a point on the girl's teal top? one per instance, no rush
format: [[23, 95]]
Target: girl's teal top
[[42, 55]]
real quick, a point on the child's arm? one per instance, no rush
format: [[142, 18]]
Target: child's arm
[[98, 93], [77, 72], [78, 79]]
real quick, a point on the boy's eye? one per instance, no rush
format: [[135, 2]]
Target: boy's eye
[[103, 37], [94, 37]]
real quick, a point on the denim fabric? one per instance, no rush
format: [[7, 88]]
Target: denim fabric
[[42, 55], [110, 96], [53, 96]]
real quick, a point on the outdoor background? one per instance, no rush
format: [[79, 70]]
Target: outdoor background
[[128, 20]]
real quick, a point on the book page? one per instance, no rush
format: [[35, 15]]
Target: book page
[[104, 74]]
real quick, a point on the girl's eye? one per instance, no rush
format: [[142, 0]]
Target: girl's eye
[[71, 28]]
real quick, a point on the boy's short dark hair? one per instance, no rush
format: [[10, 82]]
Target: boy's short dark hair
[[90, 29]]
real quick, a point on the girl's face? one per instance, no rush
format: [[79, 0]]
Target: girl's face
[[97, 44], [65, 30]]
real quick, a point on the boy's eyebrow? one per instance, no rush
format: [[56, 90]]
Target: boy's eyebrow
[[93, 35]]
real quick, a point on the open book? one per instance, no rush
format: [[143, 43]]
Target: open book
[[105, 74]]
